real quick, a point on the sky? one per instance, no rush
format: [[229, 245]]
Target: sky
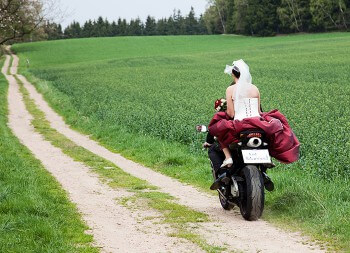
[[82, 10]]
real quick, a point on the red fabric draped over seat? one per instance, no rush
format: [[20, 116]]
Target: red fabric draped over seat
[[283, 144]]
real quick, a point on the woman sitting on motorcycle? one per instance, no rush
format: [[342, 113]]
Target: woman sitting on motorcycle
[[243, 98]]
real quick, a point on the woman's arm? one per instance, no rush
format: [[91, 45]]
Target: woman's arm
[[230, 107]]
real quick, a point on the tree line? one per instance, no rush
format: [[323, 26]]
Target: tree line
[[176, 24], [30, 20], [270, 17]]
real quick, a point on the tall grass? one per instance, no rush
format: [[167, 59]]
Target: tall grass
[[143, 96], [35, 213]]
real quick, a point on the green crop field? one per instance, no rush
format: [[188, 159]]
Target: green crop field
[[142, 96]]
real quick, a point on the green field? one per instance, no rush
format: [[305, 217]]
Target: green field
[[142, 96]]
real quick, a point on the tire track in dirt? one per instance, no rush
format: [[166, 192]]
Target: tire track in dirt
[[227, 228], [114, 227]]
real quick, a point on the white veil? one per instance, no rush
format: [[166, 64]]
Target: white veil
[[244, 81]]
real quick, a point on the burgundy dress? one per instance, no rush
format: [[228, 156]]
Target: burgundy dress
[[283, 144]]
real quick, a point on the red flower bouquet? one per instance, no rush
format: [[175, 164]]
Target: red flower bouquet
[[220, 105]]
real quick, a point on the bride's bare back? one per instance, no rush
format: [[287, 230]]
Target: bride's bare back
[[252, 92]]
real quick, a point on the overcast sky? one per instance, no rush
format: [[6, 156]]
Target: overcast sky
[[82, 10]]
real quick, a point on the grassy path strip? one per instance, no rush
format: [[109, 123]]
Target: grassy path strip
[[248, 235], [113, 226], [143, 194], [35, 213]]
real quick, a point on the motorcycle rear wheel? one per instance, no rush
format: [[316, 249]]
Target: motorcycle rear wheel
[[252, 193], [224, 203]]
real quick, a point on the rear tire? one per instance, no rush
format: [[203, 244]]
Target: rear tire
[[252, 193]]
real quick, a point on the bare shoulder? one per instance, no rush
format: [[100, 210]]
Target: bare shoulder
[[230, 89], [254, 87], [255, 90]]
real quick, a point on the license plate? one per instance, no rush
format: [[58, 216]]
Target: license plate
[[256, 156]]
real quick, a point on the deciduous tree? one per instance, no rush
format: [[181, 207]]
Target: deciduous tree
[[19, 18], [330, 14], [295, 15], [219, 6], [212, 21]]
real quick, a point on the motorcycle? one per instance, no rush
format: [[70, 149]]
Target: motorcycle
[[243, 183]]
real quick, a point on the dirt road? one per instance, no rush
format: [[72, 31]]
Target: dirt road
[[114, 228]]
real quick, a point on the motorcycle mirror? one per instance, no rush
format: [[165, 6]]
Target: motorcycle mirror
[[201, 128]]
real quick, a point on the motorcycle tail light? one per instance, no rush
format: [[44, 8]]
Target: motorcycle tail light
[[251, 135]]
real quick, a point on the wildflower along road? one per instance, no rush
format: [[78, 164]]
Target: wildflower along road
[[114, 227]]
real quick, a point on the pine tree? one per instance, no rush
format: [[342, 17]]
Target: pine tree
[[123, 27], [100, 28], [150, 26], [94, 30], [87, 30], [171, 26], [135, 27], [59, 32], [162, 26], [114, 29], [73, 30], [53, 31], [191, 23], [108, 28], [119, 27], [262, 17], [179, 23], [202, 29]]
